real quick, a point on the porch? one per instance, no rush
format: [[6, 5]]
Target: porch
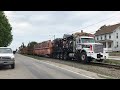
[[107, 44]]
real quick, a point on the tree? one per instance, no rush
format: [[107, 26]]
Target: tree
[[30, 47], [23, 45], [5, 31], [31, 44]]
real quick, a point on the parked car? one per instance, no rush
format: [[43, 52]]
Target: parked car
[[7, 57]]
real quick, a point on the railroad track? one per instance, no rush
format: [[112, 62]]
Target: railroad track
[[106, 65]]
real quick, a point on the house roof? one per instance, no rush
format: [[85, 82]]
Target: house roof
[[107, 29], [83, 34]]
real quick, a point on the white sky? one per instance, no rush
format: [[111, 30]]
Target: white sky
[[42, 25]]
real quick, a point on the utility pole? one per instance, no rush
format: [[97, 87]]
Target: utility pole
[[54, 37]]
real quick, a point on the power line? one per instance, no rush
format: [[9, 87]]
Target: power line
[[95, 23]]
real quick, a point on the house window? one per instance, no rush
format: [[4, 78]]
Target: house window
[[117, 44], [101, 37], [116, 35], [79, 41], [109, 45], [105, 37], [109, 36], [97, 38]]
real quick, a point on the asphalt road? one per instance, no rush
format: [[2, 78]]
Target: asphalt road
[[29, 68]]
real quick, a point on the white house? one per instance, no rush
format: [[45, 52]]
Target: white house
[[109, 36]]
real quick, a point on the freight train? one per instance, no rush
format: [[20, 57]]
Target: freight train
[[78, 46], [43, 48]]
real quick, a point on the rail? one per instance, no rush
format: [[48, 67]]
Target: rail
[[114, 66]]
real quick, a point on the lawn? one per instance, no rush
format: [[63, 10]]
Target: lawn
[[114, 53]]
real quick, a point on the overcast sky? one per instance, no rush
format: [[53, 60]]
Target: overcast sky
[[42, 25]]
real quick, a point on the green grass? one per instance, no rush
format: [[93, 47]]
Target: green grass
[[117, 62], [114, 53], [35, 57]]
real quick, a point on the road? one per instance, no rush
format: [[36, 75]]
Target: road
[[29, 68]]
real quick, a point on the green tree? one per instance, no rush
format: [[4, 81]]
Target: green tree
[[23, 45], [31, 44], [5, 31]]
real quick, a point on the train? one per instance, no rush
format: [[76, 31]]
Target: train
[[43, 49], [78, 46]]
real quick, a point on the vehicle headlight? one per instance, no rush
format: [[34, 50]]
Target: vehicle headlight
[[12, 58]]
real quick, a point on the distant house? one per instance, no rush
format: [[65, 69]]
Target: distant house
[[109, 36]]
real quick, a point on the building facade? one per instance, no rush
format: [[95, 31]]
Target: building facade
[[109, 36]]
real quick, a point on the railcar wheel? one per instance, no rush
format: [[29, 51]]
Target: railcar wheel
[[78, 56], [65, 57], [60, 56]]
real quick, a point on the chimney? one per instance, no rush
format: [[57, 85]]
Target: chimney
[[81, 31]]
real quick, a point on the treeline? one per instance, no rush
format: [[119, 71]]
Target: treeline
[[5, 31], [29, 46]]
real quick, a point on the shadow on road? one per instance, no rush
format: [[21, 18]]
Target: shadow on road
[[4, 68]]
